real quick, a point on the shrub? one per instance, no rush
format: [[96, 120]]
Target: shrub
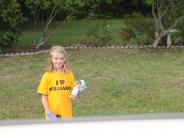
[[138, 28], [178, 36], [8, 39], [127, 34], [10, 19]]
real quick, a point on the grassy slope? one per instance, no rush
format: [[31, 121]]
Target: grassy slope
[[120, 81], [73, 32]]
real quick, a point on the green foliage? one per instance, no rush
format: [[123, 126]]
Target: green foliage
[[87, 8], [10, 19], [174, 9], [8, 39], [67, 10], [178, 36]]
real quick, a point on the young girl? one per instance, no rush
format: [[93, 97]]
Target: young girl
[[56, 85]]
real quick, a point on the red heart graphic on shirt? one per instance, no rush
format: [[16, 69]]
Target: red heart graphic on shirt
[[62, 81]]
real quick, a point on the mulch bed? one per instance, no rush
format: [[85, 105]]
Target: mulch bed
[[30, 49]]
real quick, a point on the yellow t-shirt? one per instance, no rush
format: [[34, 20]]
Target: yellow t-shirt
[[58, 86]]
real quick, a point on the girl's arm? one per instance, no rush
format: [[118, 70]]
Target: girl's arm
[[45, 103], [47, 109]]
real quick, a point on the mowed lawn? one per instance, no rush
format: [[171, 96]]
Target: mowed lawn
[[120, 81]]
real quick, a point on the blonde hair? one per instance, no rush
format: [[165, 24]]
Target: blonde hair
[[58, 49]]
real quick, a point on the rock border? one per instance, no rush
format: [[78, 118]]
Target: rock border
[[82, 46]]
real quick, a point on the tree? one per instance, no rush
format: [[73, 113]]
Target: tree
[[167, 15]]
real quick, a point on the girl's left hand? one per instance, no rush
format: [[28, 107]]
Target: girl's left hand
[[77, 85]]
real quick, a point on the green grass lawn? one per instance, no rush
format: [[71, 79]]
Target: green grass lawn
[[72, 32], [120, 81]]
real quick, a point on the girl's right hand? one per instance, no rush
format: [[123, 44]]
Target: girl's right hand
[[52, 116]]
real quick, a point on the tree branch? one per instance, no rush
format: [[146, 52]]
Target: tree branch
[[164, 12], [45, 36]]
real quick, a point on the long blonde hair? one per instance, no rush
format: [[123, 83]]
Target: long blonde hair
[[58, 49]]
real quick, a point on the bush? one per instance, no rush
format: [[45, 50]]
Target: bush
[[8, 39], [178, 36], [127, 34], [10, 19], [138, 29]]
